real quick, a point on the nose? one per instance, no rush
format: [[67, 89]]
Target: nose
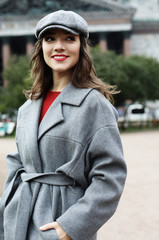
[[59, 46]]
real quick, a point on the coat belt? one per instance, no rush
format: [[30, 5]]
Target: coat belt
[[27, 199], [57, 179]]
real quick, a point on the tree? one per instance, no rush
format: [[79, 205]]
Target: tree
[[17, 77], [137, 77], [109, 67], [142, 78]]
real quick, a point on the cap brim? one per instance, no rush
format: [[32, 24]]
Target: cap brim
[[56, 26]]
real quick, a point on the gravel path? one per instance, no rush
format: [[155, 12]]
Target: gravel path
[[137, 216]]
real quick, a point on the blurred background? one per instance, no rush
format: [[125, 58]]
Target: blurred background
[[124, 37], [124, 45]]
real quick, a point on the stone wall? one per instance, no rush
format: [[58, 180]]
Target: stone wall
[[145, 44]]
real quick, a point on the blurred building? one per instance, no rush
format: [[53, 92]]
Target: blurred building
[[110, 24], [125, 26], [145, 33]]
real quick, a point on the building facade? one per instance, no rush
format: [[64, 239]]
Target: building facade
[[110, 25], [145, 32], [126, 26]]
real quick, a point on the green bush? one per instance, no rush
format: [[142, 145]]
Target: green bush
[[142, 82], [17, 77], [137, 77]]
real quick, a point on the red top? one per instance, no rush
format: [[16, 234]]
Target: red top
[[48, 100]]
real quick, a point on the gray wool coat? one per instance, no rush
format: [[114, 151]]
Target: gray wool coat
[[68, 169]]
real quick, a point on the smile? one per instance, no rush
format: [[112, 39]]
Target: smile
[[60, 57]]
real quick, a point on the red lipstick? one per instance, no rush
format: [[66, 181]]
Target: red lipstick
[[59, 57]]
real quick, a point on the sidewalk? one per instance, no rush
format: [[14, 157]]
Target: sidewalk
[[7, 145], [137, 216]]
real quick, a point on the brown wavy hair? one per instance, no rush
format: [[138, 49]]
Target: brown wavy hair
[[84, 74]]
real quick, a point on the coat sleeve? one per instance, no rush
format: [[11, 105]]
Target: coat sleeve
[[107, 174], [14, 167], [14, 164]]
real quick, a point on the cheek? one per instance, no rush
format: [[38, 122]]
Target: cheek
[[77, 53], [46, 51], [46, 57]]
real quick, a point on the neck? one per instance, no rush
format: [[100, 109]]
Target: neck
[[60, 80]]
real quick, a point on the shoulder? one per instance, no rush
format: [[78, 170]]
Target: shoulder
[[27, 103], [97, 102]]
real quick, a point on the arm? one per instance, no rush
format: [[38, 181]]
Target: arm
[[107, 173], [13, 165]]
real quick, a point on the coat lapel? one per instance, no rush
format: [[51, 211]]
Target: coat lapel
[[70, 95], [52, 117], [74, 96], [31, 114]]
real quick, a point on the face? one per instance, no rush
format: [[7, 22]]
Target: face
[[61, 50]]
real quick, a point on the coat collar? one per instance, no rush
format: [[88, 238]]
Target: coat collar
[[73, 95], [70, 95], [29, 119], [31, 109], [31, 113]]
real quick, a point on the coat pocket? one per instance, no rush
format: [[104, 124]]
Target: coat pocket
[[49, 235]]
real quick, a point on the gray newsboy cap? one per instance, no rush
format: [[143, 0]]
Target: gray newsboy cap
[[66, 20]]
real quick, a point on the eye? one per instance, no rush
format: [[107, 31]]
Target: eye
[[70, 38], [49, 38]]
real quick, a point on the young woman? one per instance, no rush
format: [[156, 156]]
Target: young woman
[[67, 176]]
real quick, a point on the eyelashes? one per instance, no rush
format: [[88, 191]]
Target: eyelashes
[[66, 38], [49, 39], [71, 38]]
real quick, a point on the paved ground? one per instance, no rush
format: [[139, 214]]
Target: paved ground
[[137, 217], [7, 145]]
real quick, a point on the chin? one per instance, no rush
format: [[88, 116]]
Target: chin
[[62, 70]]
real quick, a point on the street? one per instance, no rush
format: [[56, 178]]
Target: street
[[137, 216]]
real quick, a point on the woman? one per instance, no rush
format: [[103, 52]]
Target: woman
[[66, 178]]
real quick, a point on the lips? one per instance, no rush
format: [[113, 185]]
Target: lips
[[60, 57]]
